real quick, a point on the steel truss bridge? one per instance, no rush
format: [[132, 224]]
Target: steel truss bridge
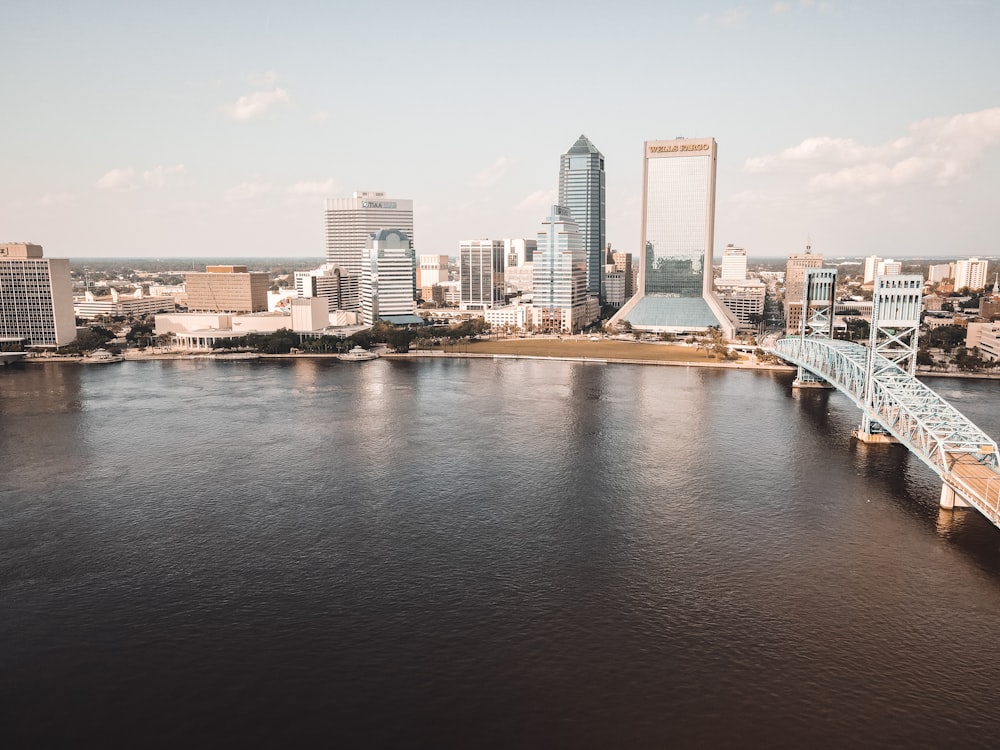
[[893, 402]]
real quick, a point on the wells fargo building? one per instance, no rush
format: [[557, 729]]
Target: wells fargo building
[[678, 234]]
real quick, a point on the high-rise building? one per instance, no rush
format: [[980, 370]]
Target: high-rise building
[[227, 289], [970, 273], [876, 266], [518, 264], [350, 221], [329, 282], [560, 278], [582, 193], [734, 262], [678, 235], [480, 273], [940, 272], [619, 277], [388, 276], [431, 270], [36, 298], [795, 274]]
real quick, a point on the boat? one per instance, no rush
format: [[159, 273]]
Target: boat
[[102, 357], [357, 354]]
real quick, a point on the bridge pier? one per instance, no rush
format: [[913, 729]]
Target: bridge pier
[[951, 499], [805, 379], [872, 432]]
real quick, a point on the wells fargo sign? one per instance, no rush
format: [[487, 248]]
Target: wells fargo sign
[[678, 147]]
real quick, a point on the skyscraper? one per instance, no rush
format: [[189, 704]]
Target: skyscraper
[[480, 273], [678, 234], [582, 193], [349, 223], [388, 276], [560, 275], [734, 262], [795, 274], [36, 297]]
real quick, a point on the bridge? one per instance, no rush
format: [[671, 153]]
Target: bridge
[[879, 379]]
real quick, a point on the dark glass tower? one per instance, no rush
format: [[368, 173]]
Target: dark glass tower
[[581, 192]]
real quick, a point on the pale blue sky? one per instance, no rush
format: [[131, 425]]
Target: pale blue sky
[[130, 129]]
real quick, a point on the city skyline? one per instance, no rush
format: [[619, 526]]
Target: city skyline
[[122, 146]]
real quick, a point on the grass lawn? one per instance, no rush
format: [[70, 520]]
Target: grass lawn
[[603, 349]]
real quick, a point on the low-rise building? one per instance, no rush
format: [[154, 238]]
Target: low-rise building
[[227, 289], [117, 305]]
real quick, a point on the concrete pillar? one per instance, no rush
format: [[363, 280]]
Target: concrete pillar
[[951, 499]]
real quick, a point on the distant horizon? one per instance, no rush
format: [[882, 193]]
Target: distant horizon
[[119, 145]]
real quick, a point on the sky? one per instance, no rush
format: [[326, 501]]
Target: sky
[[192, 129]]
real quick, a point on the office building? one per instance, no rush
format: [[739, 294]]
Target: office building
[[795, 273], [117, 305], [941, 271], [876, 266], [36, 298], [970, 274], [330, 282], [678, 228], [745, 299], [480, 273], [350, 222], [227, 289], [431, 270], [582, 193], [388, 277], [734, 263], [560, 278], [518, 265]]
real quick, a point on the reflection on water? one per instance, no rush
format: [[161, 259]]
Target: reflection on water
[[479, 553]]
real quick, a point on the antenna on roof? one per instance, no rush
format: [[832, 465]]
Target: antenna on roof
[[808, 244]]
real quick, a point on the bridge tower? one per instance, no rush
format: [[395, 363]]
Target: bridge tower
[[819, 294], [896, 303]]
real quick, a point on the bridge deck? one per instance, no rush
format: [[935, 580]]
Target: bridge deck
[[935, 431], [979, 482]]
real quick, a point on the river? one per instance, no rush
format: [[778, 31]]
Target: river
[[477, 553]]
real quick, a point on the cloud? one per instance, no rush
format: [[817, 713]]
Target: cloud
[[246, 190], [493, 174], [157, 177], [256, 104], [539, 199], [320, 116], [780, 8], [56, 199], [117, 179], [937, 151], [311, 188]]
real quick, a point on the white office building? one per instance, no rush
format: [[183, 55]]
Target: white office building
[[560, 279], [388, 277], [349, 223], [734, 262], [36, 298], [970, 273]]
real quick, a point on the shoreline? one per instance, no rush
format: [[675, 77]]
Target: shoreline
[[422, 354]]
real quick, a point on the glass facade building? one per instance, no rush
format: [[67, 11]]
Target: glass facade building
[[582, 193], [678, 226], [560, 279]]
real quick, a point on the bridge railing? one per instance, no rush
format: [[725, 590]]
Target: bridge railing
[[908, 409]]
